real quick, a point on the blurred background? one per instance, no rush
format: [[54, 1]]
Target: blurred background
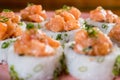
[[83, 5]]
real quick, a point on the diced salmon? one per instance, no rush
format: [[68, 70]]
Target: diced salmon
[[85, 44], [56, 24]]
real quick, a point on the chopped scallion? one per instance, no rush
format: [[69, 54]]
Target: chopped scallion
[[83, 69], [104, 26], [5, 45], [7, 10], [3, 19], [59, 37], [116, 68], [65, 7], [30, 26], [87, 49]]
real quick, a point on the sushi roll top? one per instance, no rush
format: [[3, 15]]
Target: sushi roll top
[[102, 15], [33, 42], [9, 24], [65, 19], [33, 13], [91, 41]]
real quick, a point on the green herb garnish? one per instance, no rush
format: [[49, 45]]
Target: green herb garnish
[[3, 19], [63, 46], [5, 45], [7, 10], [14, 74], [30, 26], [38, 26], [87, 49], [116, 68], [59, 37], [104, 26], [38, 68], [65, 34], [65, 7], [20, 23], [56, 74], [83, 69], [100, 59], [61, 69], [30, 4], [72, 45], [90, 30]]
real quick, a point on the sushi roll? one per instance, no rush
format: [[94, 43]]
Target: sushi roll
[[91, 56], [34, 14], [64, 24], [11, 27], [103, 19], [34, 56]]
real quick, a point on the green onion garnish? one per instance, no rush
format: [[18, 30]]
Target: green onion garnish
[[5, 45], [7, 10], [87, 49], [14, 74], [30, 4], [38, 68], [72, 45], [30, 26], [100, 59], [59, 37], [65, 7], [39, 26], [65, 34], [90, 30], [116, 68], [104, 26], [83, 69], [3, 19], [20, 23]]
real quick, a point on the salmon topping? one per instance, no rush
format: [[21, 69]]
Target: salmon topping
[[33, 13], [92, 42], [64, 20], [102, 15], [9, 25], [34, 42]]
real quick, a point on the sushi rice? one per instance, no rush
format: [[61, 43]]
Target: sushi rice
[[34, 68], [103, 26]]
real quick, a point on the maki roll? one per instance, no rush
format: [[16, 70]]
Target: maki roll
[[64, 24], [34, 56], [10, 28], [91, 56], [103, 19]]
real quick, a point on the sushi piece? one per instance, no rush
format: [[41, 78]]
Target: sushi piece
[[91, 56], [10, 24], [34, 14], [34, 56], [10, 28], [103, 19], [64, 24]]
